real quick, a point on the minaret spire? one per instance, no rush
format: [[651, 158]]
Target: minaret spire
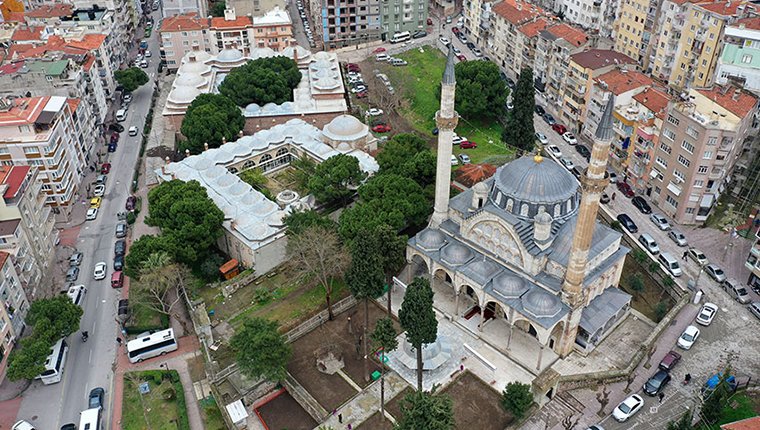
[[593, 182], [446, 119]]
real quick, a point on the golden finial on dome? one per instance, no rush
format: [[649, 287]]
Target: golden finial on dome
[[538, 158]]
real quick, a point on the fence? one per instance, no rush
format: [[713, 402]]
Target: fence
[[318, 319]]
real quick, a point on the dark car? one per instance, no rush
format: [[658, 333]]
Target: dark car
[[540, 110], [130, 205], [105, 168], [657, 383], [69, 426], [120, 247], [549, 119], [419, 34], [116, 127], [470, 45], [625, 189], [641, 205], [577, 171], [122, 313], [669, 361], [96, 398], [114, 137], [605, 198], [118, 263], [584, 151], [511, 84], [628, 223], [112, 147]]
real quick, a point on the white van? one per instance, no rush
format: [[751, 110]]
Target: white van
[[670, 263], [648, 242], [401, 37], [381, 57], [121, 115]]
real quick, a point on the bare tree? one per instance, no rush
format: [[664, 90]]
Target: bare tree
[[159, 286], [628, 381], [603, 397], [650, 353], [317, 252], [568, 423]]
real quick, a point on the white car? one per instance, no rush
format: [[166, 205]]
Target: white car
[[444, 40], [568, 163], [22, 425], [465, 158], [148, 54], [92, 213], [660, 221], [628, 407], [144, 63], [707, 314], [99, 191], [542, 138], [456, 140], [375, 112], [359, 89], [678, 237], [688, 337], [698, 256], [477, 52], [133, 130], [570, 138], [554, 150], [100, 271], [454, 160]]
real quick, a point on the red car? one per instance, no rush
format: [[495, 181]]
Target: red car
[[430, 21], [455, 30], [461, 57], [381, 128], [130, 206], [559, 128], [114, 137], [625, 189], [105, 168], [353, 67], [468, 145], [379, 50], [361, 94]]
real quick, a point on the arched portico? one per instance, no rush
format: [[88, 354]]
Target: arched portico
[[556, 336], [418, 267]]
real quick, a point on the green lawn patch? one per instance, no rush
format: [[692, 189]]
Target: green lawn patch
[[739, 407], [162, 408], [212, 416], [144, 319]]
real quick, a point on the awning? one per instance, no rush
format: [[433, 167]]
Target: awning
[[707, 201], [237, 411], [602, 309], [675, 189], [654, 174]]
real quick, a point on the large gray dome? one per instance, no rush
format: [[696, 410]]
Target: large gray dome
[[482, 270], [509, 286], [541, 304], [456, 254], [431, 239]]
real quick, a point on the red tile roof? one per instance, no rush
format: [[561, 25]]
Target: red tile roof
[[516, 13], [88, 63], [598, 58], [24, 111], [571, 34], [752, 23], [746, 424], [655, 100], [3, 258], [724, 8], [51, 11], [14, 178], [27, 33], [73, 104], [531, 29], [185, 22], [15, 17], [733, 99], [239, 22], [11, 68], [621, 81], [88, 42]]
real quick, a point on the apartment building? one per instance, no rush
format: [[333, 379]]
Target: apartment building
[[403, 15], [255, 7], [171, 8], [511, 35], [753, 263], [554, 47], [740, 58], [701, 139], [13, 309], [593, 15], [27, 226], [650, 106], [181, 34], [583, 68], [634, 29], [348, 22], [52, 134]]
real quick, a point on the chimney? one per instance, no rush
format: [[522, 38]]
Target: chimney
[[205, 146], [737, 93], [229, 14]]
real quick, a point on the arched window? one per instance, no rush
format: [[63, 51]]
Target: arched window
[[266, 162], [524, 209], [232, 170], [282, 151], [557, 209], [510, 203], [569, 205], [249, 164], [265, 158]]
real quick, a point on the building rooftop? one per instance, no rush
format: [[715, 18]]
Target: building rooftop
[[746, 424], [73, 104], [598, 58], [88, 42], [13, 177], [532, 29], [26, 33], [50, 68], [8, 227], [516, 12], [239, 22], [3, 258], [733, 99], [275, 16], [724, 8], [51, 11], [15, 17], [655, 100], [189, 21], [621, 81], [23, 111], [752, 23], [574, 36]]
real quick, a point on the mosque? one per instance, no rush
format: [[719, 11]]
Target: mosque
[[522, 252]]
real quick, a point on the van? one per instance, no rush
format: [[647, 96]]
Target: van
[[398, 62], [648, 242], [117, 279], [755, 309], [670, 263], [381, 57], [736, 290], [76, 294], [121, 115]]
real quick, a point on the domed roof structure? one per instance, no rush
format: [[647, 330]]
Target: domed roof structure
[[482, 270], [456, 254], [229, 55], [509, 285], [541, 304], [200, 56], [193, 67], [431, 239], [183, 95], [189, 80], [345, 128]]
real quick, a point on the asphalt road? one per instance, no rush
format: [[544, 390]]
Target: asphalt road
[[90, 364]]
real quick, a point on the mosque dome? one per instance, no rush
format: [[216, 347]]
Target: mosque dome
[[456, 254], [200, 56], [483, 270], [189, 80], [193, 67], [541, 304], [345, 127], [229, 55], [431, 239], [509, 285], [183, 95]]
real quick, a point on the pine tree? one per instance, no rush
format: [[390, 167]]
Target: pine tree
[[519, 131], [418, 319]]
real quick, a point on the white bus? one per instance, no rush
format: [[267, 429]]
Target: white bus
[[55, 363], [401, 37], [90, 419], [156, 344], [76, 294]]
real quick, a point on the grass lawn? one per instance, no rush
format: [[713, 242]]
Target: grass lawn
[[162, 408], [144, 318], [212, 416], [645, 301], [739, 407], [419, 83]]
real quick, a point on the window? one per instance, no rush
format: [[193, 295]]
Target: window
[[661, 161], [665, 148], [688, 147], [707, 155], [712, 140], [699, 183], [678, 174], [673, 202], [683, 160], [31, 150], [673, 120], [702, 170], [4, 150], [746, 59], [691, 131], [690, 210], [670, 134]]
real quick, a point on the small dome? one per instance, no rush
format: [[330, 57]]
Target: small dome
[[541, 304], [183, 94], [431, 239], [270, 108], [189, 80], [326, 84], [543, 218], [345, 127], [253, 108], [456, 254], [480, 188], [193, 67], [483, 269], [322, 55], [509, 285], [302, 52], [229, 55]]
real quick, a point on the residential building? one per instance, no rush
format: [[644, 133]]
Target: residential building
[[651, 104], [13, 309], [624, 85], [584, 67], [52, 134], [753, 262], [347, 22], [740, 58], [510, 34], [593, 15], [406, 15], [181, 34], [273, 29], [28, 226], [554, 47], [180, 7], [443, 8], [634, 29], [701, 139], [255, 7]]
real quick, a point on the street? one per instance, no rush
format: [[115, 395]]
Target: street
[[90, 364]]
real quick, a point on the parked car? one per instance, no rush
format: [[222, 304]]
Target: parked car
[[121, 230], [549, 119], [468, 144], [118, 262], [688, 337], [96, 398], [736, 290], [707, 314], [628, 223], [22, 425], [127, 97], [677, 237], [470, 45], [585, 152], [92, 213], [95, 202], [378, 50], [660, 221], [540, 110], [99, 190], [419, 34], [456, 140], [133, 131], [613, 177], [477, 52], [656, 383], [641, 205], [461, 57], [554, 150], [754, 309], [375, 112], [698, 256], [559, 128], [567, 163], [648, 242], [444, 40], [130, 205], [715, 272], [381, 128], [542, 138], [628, 407], [72, 274], [570, 138], [116, 127], [76, 259], [623, 187], [112, 147], [464, 158], [120, 247], [100, 271], [361, 94], [454, 160], [605, 197], [669, 361], [114, 137], [381, 57]]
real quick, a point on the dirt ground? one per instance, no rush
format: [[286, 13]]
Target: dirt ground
[[374, 423], [476, 405], [332, 391], [394, 406], [284, 413]]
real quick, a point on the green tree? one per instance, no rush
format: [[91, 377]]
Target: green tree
[[429, 411], [209, 119], [28, 361], [481, 93], [391, 248], [398, 194], [140, 251], [297, 222], [713, 404], [408, 155], [517, 398], [640, 256], [131, 79], [519, 131], [418, 319], [384, 337], [336, 178], [261, 352], [365, 280], [218, 9], [256, 179], [303, 169], [262, 81], [636, 282], [683, 423]]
